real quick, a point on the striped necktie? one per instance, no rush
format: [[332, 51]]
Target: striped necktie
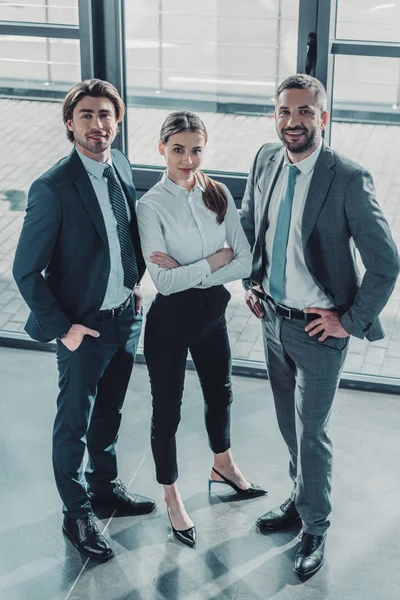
[[128, 256], [278, 262]]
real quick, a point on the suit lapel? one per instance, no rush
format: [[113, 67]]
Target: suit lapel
[[267, 182], [319, 187], [81, 181]]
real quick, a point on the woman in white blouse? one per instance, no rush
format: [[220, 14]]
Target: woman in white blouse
[[185, 220]]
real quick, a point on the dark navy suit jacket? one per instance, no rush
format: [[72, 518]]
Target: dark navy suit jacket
[[62, 261]]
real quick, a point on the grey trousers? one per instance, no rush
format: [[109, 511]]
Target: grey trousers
[[304, 376]]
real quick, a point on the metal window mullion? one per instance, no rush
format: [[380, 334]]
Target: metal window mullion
[[354, 48], [324, 31], [102, 27], [146, 177], [308, 17], [87, 47], [115, 57], [325, 65], [49, 30]]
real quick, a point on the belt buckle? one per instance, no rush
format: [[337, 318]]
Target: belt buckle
[[112, 312], [286, 310]]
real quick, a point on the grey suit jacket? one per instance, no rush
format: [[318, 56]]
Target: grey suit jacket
[[341, 213]]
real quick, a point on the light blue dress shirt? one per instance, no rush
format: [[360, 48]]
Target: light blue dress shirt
[[301, 289], [116, 292]]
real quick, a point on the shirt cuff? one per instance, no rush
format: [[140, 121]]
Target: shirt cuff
[[247, 283], [205, 269]]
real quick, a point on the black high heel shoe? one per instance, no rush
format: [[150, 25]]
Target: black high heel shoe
[[252, 492], [185, 536]]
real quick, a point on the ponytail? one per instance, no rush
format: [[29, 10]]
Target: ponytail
[[214, 196]]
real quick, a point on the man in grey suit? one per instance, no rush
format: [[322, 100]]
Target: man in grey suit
[[306, 209]]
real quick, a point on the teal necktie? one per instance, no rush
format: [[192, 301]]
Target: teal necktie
[[278, 262]]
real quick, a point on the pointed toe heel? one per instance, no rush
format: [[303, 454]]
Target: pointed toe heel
[[185, 536], [252, 492]]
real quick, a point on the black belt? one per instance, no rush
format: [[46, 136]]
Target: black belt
[[111, 313], [284, 311], [289, 313]]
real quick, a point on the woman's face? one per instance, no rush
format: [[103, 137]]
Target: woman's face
[[184, 153]]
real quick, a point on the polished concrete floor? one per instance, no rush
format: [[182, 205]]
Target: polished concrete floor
[[232, 559]]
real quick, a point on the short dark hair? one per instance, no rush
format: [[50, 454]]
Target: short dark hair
[[95, 88], [305, 82]]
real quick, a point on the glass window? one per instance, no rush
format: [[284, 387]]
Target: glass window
[[40, 11], [222, 59], [368, 81], [34, 137], [376, 148], [38, 63], [368, 20]]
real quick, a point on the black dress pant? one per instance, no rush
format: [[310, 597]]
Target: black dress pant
[[93, 381], [191, 320]]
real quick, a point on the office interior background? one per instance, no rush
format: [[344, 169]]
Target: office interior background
[[224, 60]]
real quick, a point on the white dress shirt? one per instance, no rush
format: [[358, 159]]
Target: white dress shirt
[[116, 292], [300, 290], [175, 221]]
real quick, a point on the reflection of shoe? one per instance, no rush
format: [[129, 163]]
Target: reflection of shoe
[[186, 536], [310, 556], [121, 501], [85, 536], [252, 492], [284, 516]]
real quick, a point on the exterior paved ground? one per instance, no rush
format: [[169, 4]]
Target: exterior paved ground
[[33, 139]]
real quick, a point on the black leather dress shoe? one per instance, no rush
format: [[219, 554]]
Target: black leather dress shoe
[[284, 516], [121, 501], [310, 555], [85, 536]]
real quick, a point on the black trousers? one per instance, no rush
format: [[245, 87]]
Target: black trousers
[[191, 320], [93, 381]]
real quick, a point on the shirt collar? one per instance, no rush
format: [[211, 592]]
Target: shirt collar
[[176, 189], [94, 167], [306, 165]]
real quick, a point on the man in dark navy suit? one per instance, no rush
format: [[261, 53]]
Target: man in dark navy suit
[[78, 265]]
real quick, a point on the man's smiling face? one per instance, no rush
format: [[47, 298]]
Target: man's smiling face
[[299, 120]]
